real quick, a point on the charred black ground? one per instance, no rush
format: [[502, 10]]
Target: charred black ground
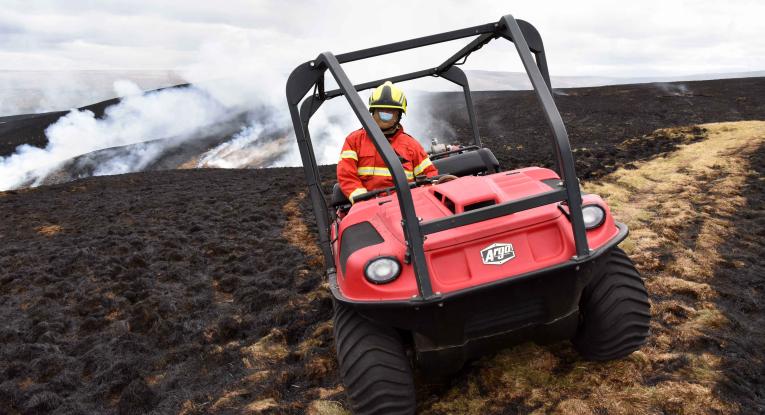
[[740, 282], [109, 282], [598, 119], [143, 292]]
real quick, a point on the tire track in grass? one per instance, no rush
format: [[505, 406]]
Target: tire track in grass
[[314, 351], [681, 209]]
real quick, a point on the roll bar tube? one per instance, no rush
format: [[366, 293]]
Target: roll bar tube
[[541, 85]]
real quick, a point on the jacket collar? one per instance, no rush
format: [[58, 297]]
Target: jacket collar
[[399, 131], [391, 138]]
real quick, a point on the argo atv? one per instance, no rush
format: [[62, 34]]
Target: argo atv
[[453, 270]]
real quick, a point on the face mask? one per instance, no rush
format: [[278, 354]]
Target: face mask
[[385, 116]]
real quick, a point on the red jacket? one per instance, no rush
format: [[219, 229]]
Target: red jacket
[[362, 169]]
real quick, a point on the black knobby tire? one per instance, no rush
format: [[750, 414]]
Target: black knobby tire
[[615, 313], [373, 364]]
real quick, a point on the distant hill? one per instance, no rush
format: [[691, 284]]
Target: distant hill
[[598, 119], [500, 81], [25, 92], [33, 92]]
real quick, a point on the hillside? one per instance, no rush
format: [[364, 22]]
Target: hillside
[[201, 291]]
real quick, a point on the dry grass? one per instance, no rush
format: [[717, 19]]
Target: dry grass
[[265, 358], [191, 163], [49, 230], [219, 295], [298, 234], [228, 399], [271, 348], [678, 209], [260, 406], [326, 408]]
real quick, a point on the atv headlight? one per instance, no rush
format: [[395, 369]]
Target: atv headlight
[[382, 270], [593, 216]]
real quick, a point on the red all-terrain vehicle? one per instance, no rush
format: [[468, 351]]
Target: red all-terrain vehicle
[[453, 270]]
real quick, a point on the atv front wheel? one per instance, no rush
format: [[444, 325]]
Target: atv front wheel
[[615, 313], [374, 365]]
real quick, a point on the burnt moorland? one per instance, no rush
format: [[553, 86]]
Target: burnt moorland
[[201, 291]]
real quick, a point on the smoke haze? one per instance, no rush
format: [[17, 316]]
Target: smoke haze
[[234, 78], [177, 112], [238, 58]]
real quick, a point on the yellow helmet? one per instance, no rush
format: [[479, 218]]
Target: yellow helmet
[[388, 95]]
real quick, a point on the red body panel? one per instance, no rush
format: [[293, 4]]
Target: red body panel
[[541, 237]]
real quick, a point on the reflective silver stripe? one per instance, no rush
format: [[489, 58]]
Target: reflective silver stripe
[[380, 171], [422, 166], [355, 193], [349, 154]]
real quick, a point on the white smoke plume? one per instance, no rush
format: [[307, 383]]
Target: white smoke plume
[[251, 147], [251, 72], [138, 118], [238, 72], [674, 89]]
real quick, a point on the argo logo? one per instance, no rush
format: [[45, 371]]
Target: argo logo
[[497, 254]]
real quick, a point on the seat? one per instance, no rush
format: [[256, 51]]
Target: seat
[[468, 163], [338, 197]]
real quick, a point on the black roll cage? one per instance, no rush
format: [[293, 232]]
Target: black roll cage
[[310, 75]]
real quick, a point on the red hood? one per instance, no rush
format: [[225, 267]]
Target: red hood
[[433, 202]]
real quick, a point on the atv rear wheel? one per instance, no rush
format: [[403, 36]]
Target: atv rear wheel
[[374, 365], [615, 313]]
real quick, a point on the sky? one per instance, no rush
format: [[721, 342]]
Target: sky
[[583, 38]]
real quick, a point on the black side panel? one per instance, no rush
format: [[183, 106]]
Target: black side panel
[[355, 237]]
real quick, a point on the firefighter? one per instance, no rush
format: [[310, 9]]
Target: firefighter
[[361, 168]]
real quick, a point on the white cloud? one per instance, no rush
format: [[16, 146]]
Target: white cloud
[[583, 38]]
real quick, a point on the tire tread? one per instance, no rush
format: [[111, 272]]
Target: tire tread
[[373, 364], [615, 311]]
